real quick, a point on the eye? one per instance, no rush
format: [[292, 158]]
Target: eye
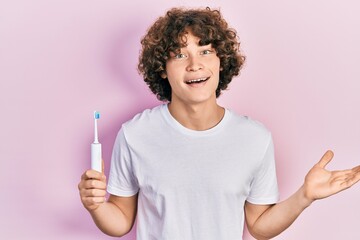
[[179, 55], [207, 51]]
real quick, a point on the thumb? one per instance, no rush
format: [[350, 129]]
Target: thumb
[[103, 176], [326, 158]]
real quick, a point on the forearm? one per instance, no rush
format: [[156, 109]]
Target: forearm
[[111, 220], [280, 216]]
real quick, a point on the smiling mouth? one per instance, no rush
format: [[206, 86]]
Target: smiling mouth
[[196, 81]]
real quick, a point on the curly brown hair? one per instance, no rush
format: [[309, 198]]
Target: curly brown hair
[[166, 36]]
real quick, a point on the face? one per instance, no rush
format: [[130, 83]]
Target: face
[[193, 73]]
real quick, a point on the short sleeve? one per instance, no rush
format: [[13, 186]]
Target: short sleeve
[[264, 188], [122, 181]]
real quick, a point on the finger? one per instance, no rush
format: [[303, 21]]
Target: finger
[[356, 169], [92, 193], [342, 173], [91, 174], [94, 184], [93, 200], [352, 180], [81, 185], [346, 173], [326, 158]]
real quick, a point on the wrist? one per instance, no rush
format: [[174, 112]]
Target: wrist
[[304, 198]]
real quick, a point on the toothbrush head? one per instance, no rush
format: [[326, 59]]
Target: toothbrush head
[[96, 115]]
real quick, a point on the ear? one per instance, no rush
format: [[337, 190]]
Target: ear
[[163, 75], [221, 68]]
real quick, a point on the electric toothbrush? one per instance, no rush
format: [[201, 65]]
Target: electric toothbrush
[[96, 159]]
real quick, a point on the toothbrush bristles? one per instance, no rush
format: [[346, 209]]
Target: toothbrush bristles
[[96, 115]]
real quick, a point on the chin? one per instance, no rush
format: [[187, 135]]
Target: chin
[[203, 99]]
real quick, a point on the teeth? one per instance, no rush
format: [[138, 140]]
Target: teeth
[[196, 80]]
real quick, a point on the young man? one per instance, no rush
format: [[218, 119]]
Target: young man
[[191, 169]]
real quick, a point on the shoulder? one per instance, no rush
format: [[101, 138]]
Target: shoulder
[[247, 124], [144, 122], [145, 116]]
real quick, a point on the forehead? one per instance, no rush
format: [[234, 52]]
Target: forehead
[[186, 38], [189, 38]]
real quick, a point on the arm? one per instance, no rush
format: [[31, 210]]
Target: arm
[[267, 221], [117, 216], [114, 217]]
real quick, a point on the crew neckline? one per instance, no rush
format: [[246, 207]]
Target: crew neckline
[[179, 127]]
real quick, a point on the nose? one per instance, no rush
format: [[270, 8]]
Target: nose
[[194, 64]]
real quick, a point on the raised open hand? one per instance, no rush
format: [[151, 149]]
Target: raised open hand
[[321, 183]]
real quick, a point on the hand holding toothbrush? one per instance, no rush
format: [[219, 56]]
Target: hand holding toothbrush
[[92, 187]]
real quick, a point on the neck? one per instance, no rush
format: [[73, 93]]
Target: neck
[[198, 117]]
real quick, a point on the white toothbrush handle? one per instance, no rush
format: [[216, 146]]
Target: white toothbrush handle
[[96, 160]]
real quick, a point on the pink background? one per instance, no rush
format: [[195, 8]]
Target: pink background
[[60, 60]]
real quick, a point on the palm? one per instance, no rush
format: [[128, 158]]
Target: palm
[[321, 183]]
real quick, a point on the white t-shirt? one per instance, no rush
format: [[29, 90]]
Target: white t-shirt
[[192, 184]]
